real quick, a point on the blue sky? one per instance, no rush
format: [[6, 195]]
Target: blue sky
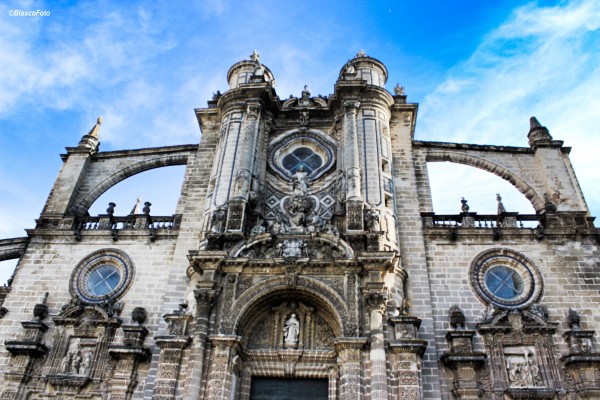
[[478, 69]]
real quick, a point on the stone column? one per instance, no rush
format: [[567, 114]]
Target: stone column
[[224, 348], [205, 299], [375, 303], [407, 350], [250, 137], [354, 202], [243, 169], [349, 351], [171, 349]]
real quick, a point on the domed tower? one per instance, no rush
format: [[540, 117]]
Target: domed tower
[[243, 121], [249, 71], [367, 150]]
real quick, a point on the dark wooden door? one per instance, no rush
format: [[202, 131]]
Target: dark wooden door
[[289, 389]]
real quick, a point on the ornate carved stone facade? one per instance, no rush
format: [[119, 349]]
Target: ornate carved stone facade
[[304, 247]]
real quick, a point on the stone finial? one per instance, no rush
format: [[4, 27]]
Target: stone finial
[[549, 206], [182, 309], [361, 53], [139, 315], [538, 134], [573, 319], [255, 56], [136, 209], [146, 209], [399, 90], [90, 140], [40, 310], [501, 209], [464, 207], [456, 317], [95, 131]]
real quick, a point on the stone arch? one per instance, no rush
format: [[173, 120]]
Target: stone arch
[[88, 199], [519, 183], [12, 248], [306, 288]]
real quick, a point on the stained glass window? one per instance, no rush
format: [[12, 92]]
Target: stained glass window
[[302, 157], [504, 282], [103, 280]]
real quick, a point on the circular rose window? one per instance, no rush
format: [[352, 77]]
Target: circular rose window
[[102, 275], [506, 279], [311, 150]]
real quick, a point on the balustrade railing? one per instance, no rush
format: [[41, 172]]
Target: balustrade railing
[[474, 220], [127, 222]]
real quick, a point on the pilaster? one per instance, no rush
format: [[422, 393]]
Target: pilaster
[[171, 349], [349, 364]]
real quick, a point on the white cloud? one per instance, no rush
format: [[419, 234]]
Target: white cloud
[[543, 61]]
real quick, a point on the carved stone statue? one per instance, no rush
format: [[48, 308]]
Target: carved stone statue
[[258, 228], [305, 99], [372, 220], [255, 56], [76, 363], [399, 90], [313, 224], [300, 182], [464, 207], [291, 331], [65, 364], [86, 363], [280, 224], [217, 220], [501, 208], [330, 229]]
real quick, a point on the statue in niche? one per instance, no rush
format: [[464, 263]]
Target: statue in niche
[[65, 364], [86, 363], [300, 183], [217, 220], [76, 363], [291, 331], [372, 220]]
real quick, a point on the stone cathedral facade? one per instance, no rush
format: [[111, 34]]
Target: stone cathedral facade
[[305, 261]]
